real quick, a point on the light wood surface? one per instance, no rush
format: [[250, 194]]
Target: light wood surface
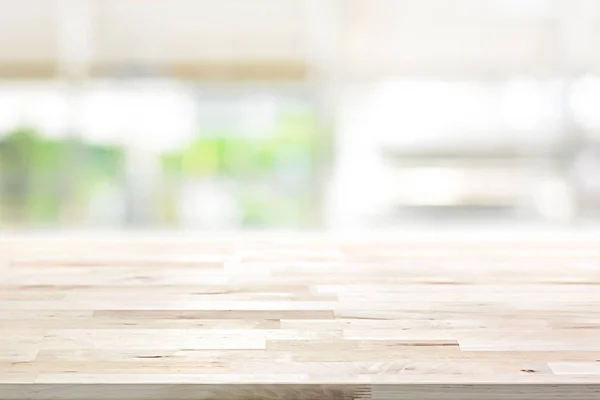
[[299, 318]]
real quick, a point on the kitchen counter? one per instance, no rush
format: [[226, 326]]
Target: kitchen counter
[[307, 317]]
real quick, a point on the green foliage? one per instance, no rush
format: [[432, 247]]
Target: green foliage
[[172, 164], [38, 175], [41, 178], [217, 153], [202, 158], [104, 161], [256, 163]]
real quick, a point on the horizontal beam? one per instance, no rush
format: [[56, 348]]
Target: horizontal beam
[[277, 70]]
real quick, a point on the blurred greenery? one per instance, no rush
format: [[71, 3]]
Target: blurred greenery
[[40, 176], [255, 163], [52, 181], [235, 154]]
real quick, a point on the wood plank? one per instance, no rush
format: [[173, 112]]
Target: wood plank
[[298, 318]]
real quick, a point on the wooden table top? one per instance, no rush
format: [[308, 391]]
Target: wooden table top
[[298, 318]]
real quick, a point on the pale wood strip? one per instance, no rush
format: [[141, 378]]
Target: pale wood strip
[[19, 345], [140, 278], [378, 351], [44, 315], [522, 335], [405, 366], [574, 322], [152, 355], [432, 276], [582, 296], [532, 345], [482, 308], [474, 322], [165, 290], [151, 339], [138, 260], [138, 335], [436, 313], [576, 368], [436, 289], [196, 297], [139, 365], [383, 353], [237, 379], [404, 335], [18, 353], [395, 346], [240, 379], [550, 340], [15, 378], [123, 323], [175, 305], [221, 314]]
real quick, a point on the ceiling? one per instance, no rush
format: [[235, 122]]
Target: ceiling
[[275, 39]]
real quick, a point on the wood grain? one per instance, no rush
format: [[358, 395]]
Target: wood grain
[[299, 318]]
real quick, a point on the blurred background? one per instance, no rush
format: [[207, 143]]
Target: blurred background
[[299, 114]]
